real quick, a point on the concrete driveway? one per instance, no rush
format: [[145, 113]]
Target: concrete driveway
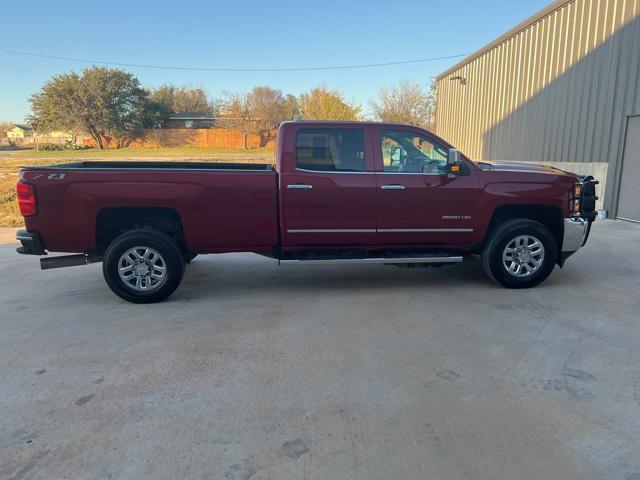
[[264, 372]]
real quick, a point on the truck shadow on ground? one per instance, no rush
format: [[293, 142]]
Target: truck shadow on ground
[[206, 277], [248, 277]]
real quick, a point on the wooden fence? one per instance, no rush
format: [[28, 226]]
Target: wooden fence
[[193, 137]]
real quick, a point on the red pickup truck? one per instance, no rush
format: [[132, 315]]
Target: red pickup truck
[[339, 192]]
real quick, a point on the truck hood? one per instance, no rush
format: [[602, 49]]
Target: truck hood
[[520, 167]]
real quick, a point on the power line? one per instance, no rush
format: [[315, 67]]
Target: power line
[[220, 69]]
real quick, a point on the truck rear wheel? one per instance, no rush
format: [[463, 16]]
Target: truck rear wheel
[[520, 253], [143, 266]]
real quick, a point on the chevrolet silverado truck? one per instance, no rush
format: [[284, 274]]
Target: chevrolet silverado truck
[[339, 193]]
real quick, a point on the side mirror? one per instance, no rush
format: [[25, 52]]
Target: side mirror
[[454, 166], [454, 156]]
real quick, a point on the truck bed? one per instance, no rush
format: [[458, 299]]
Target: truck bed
[[155, 165], [220, 206]]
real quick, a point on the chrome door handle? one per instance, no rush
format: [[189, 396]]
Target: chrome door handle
[[299, 186], [393, 187]]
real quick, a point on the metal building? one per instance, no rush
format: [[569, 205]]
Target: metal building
[[562, 87]]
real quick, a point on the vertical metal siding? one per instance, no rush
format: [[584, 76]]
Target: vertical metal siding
[[558, 90]]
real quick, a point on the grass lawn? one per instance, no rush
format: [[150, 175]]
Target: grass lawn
[[9, 213], [11, 161]]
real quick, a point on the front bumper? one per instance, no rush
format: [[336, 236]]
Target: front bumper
[[31, 243], [575, 234], [577, 229]]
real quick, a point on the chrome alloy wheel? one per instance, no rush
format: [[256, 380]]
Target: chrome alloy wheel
[[142, 269], [523, 256]]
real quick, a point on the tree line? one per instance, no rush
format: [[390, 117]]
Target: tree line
[[111, 103]]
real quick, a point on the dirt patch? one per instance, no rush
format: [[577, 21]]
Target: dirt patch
[[8, 235]]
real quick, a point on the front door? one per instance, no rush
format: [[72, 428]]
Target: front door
[[329, 194], [418, 203]]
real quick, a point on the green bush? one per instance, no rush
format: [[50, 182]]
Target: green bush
[[51, 147], [58, 147]]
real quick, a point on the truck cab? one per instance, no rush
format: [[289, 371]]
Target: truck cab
[[373, 185]]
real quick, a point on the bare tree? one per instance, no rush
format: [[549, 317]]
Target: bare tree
[[260, 111], [291, 107], [432, 105], [236, 113], [406, 102], [268, 108]]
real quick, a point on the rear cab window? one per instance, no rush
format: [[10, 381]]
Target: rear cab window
[[330, 150]]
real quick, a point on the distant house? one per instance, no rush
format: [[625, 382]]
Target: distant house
[[189, 120], [20, 133], [56, 136]]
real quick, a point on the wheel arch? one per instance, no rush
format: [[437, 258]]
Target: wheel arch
[[548, 215], [114, 221]]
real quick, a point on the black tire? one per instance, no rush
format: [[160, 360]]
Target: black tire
[[169, 255], [504, 234]]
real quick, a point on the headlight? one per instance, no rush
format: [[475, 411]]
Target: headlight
[[577, 199], [578, 190], [576, 207]]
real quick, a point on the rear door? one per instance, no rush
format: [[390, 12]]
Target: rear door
[[328, 186], [418, 203]]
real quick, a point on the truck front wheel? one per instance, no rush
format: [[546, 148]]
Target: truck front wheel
[[143, 266], [520, 253]]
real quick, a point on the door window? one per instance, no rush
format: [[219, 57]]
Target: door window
[[330, 150], [409, 152]]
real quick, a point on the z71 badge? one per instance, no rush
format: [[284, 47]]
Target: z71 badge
[[51, 176]]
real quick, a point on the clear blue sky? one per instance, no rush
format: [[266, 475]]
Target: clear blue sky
[[247, 34]]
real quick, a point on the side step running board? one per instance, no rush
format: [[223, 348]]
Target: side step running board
[[68, 261], [375, 260]]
